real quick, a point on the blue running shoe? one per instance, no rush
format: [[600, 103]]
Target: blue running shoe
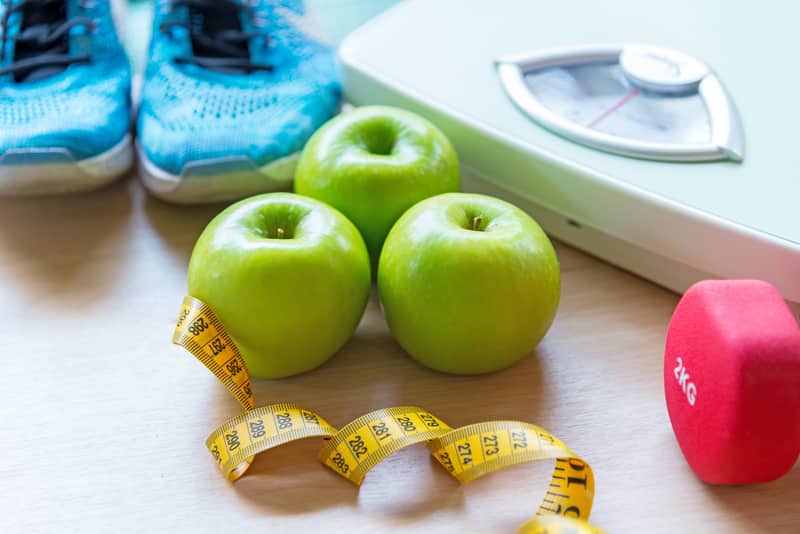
[[232, 92], [64, 97]]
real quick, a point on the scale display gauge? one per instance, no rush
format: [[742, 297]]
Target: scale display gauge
[[635, 100]]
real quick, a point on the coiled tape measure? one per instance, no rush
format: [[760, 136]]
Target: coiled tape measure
[[466, 453]]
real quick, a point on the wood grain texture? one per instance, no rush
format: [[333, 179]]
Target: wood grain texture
[[103, 421]]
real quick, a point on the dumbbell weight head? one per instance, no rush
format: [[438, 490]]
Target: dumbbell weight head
[[732, 381]]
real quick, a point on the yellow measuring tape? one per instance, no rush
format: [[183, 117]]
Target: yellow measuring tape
[[466, 453]]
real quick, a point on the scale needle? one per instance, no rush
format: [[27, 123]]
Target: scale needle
[[624, 100]]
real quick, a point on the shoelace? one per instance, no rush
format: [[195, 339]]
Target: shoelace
[[46, 39], [227, 43]]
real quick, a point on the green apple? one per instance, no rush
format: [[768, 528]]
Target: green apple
[[469, 283], [373, 163], [288, 277]]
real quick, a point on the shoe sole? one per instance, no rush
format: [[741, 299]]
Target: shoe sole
[[217, 180], [67, 176]]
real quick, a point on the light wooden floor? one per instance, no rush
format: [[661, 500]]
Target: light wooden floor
[[103, 421]]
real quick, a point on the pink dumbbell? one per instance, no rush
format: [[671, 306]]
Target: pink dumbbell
[[732, 381]]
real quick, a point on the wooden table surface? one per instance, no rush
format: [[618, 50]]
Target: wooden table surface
[[103, 421]]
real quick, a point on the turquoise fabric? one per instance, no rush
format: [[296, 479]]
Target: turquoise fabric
[[84, 109], [190, 114], [337, 18]]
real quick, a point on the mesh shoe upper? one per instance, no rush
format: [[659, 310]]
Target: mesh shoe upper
[[190, 113], [81, 106]]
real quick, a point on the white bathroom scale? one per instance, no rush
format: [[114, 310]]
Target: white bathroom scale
[[663, 137]]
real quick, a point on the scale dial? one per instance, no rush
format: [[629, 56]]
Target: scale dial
[[636, 100]]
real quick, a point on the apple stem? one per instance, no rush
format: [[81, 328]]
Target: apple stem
[[280, 233], [477, 222]]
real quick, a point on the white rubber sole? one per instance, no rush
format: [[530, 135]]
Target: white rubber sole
[[210, 181], [68, 176]]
